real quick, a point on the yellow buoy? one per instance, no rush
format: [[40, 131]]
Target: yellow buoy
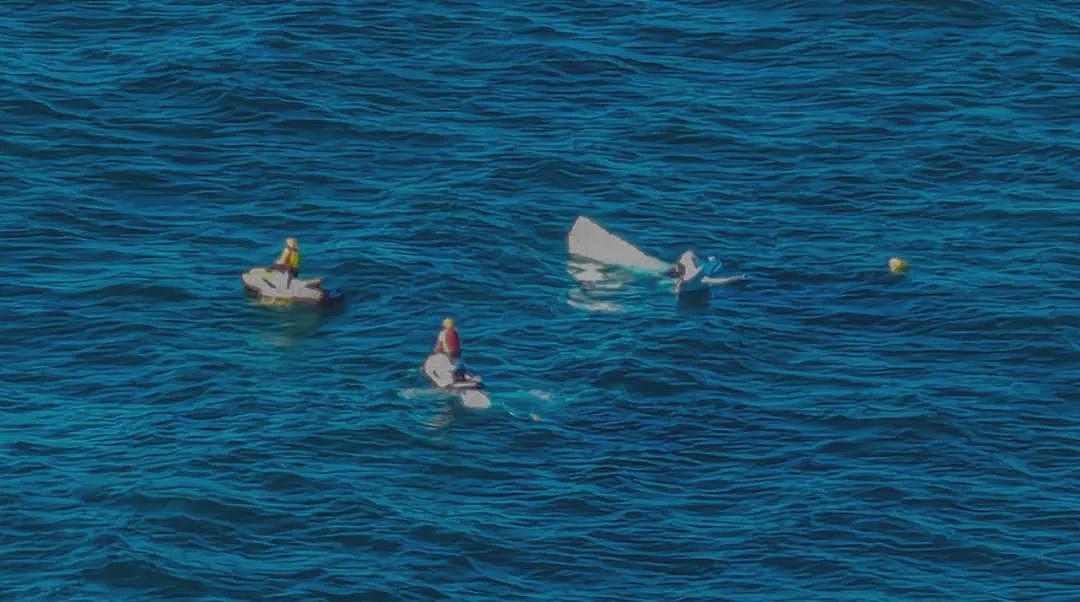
[[898, 265]]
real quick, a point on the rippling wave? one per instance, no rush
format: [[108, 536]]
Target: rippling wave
[[822, 430]]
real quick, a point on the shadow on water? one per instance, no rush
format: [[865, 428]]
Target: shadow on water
[[284, 323], [450, 411], [698, 303], [694, 304], [447, 408], [444, 418]]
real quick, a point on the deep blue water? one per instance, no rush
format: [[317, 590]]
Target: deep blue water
[[823, 431]]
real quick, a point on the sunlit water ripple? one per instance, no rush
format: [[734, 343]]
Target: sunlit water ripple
[[821, 431]]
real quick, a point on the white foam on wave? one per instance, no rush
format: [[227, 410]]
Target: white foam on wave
[[420, 393], [594, 306], [720, 281]]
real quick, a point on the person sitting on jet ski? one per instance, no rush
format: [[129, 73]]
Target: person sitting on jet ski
[[449, 344], [289, 259]]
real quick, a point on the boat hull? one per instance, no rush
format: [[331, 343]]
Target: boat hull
[[590, 240]]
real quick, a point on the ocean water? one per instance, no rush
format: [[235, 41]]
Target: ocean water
[[823, 430]]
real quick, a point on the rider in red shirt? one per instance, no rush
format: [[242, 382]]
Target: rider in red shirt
[[448, 343]]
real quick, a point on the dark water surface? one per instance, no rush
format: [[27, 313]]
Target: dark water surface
[[824, 431]]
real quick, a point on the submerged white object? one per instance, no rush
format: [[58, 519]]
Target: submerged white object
[[440, 371], [278, 285], [589, 239]]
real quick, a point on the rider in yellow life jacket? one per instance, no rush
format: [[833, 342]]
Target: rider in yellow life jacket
[[289, 259]]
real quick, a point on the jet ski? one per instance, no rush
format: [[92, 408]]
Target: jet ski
[[278, 285], [458, 380]]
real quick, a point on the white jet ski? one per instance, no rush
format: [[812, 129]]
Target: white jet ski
[[277, 285], [459, 381]]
